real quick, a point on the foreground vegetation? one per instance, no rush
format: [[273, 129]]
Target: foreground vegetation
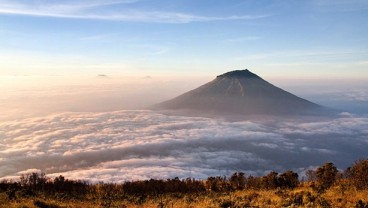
[[324, 187]]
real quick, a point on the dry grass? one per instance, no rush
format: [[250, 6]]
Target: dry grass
[[303, 196]]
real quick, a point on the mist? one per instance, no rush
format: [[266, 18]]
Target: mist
[[349, 95], [28, 96]]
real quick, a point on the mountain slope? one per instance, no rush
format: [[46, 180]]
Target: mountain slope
[[240, 93]]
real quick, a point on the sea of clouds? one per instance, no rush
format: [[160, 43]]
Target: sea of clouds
[[131, 145]]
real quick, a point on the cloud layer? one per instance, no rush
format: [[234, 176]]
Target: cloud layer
[[130, 145]]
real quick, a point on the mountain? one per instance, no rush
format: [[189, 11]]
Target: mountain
[[239, 93]]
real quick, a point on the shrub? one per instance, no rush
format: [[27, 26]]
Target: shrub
[[238, 181], [359, 174], [270, 181], [289, 179], [326, 176]]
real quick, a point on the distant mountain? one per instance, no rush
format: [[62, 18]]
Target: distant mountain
[[239, 93]]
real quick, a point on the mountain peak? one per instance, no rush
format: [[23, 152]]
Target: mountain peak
[[240, 93], [239, 74]]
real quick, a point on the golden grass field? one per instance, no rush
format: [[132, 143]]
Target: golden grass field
[[341, 195]]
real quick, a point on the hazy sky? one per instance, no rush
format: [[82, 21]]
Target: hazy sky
[[304, 38]]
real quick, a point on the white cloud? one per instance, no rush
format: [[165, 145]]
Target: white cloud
[[49, 8], [130, 145], [87, 10]]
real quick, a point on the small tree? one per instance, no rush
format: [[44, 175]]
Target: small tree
[[270, 181], [33, 180], [253, 182], [288, 179], [326, 175], [217, 183], [359, 174], [238, 181]]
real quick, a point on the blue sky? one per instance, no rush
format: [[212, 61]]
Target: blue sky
[[304, 38]]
